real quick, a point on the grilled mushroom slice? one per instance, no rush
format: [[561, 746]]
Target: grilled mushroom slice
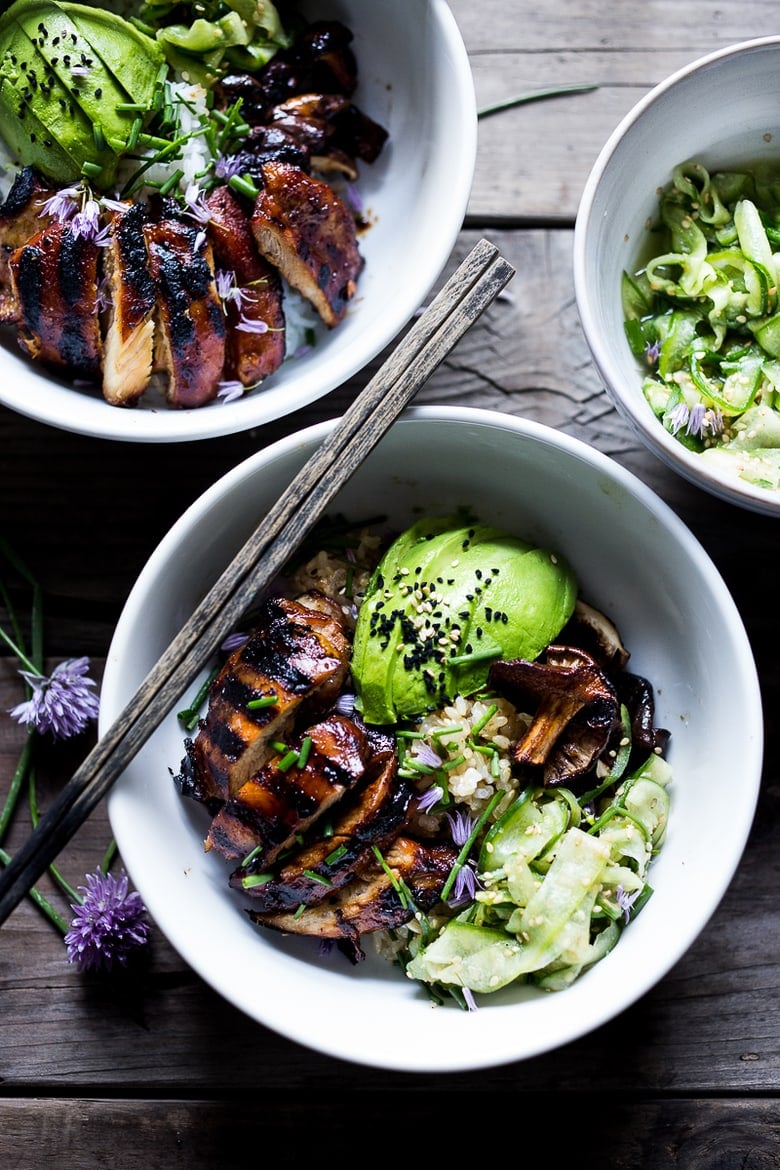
[[370, 815], [593, 631], [574, 706], [373, 900]]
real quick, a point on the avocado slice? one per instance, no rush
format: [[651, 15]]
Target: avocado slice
[[67, 71], [447, 600]]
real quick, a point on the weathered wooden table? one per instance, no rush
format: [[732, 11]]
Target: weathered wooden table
[[159, 1071]]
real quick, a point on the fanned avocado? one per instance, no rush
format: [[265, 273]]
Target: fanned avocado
[[446, 601], [67, 70]]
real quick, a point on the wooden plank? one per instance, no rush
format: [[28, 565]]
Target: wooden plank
[[659, 1134], [533, 161]]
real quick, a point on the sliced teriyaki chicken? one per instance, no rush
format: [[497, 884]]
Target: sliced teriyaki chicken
[[284, 798], [21, 217], [372, 814], [189, 324], [303, 228], [55, 283], [297, 655], [250, 356], [375, 899], [128, 341]]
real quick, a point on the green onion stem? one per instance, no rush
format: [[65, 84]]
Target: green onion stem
[[42, 903], [35, 816], [539, 95], [466, 847], [20, 772]]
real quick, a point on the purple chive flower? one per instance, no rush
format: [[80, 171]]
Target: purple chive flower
[[354, 198], [468, 996], [62, 704], [465, 886], [86, 223], [652, 350], [227, 167], [678, 417], [626, 901], [246, 325], [461, 825], [345, 705], [233, 641], [108, 925], [230, 391], [64, 205], [426, 755], [196, 205], [696, 420], [430, 798]]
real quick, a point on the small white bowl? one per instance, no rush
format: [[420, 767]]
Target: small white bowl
[[724, 111], [676, 617], [415, 80]]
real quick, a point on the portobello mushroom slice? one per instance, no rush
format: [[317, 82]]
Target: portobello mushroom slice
[[574, 708]]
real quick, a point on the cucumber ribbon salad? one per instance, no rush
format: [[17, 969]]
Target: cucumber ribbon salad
[[703, 313]]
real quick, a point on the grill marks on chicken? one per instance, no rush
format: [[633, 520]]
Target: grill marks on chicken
[[190, 324], [54, 277], [307, 799], [21, 217], [128, 351], [250, 355]]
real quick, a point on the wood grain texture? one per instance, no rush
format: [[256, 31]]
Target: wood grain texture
[[154, 1064]]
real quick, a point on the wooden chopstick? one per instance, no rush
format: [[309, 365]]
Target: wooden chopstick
[[467, 293]]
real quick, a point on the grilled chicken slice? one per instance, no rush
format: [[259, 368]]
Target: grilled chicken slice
[[128, 341], [21, 217], [55, 282], [297, 654], [303, 228], [371, 814], [283, 799], [190, 324], [372, 900], [250, 355]]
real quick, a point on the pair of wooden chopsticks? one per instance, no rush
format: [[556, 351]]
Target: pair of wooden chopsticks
[[468, 292]]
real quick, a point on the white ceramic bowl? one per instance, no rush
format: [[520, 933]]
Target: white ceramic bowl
[[414, 79], [724, 111], [676, 616]]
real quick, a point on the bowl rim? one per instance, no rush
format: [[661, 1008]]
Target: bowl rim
[[91, 416], [502, 1048], [632, 407]]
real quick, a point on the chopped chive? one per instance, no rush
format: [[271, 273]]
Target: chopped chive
[[129, 108], [99, 137], [317, 877], [244, 185], [135, 130], [525, 98], [336, 855], [172, 182], [90, 170], [263, 701], [447, 731], [475, 656], [251, 856], [256, 879], [466, 847], [299, 911], [402, 734], [287, 761], [448, 765], [190, 715], [485, 719], [304, 752], [280, 747]]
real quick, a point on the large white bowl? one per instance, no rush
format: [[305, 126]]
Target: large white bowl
[[634, 558], [724, 111], [414, 79]]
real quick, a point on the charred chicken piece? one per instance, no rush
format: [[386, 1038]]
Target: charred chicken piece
[[372, 901], [249, 356], [128, 353], [283, 799], [190, 324], [303, 228], [296, 654], [371, 815], [22, 216], [54, 278], [574, 707], [266, 144]]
